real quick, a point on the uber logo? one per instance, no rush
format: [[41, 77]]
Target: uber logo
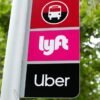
[[52, 80], [59, 82]]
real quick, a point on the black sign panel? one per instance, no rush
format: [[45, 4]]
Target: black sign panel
[[52, 80]]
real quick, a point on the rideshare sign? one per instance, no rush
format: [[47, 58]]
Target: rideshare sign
[[53, 50], [54, 45]]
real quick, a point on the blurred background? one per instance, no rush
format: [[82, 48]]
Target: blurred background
[[90, 47]]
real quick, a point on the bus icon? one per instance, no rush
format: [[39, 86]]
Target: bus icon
[[54, 12]]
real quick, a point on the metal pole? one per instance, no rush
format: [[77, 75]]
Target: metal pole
[[14, 52]]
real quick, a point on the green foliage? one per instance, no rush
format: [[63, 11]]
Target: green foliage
[[90, 51], [90, 63], [4, 23]]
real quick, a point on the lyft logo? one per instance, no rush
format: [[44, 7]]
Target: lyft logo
[[49, 46]]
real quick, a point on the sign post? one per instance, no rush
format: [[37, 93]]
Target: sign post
[[14, 52], [45, 55]]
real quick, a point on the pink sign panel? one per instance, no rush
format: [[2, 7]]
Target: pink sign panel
[[62, 45]]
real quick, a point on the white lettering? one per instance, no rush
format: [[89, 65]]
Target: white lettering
[[37, 84], [49, 46], [46, 81]]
